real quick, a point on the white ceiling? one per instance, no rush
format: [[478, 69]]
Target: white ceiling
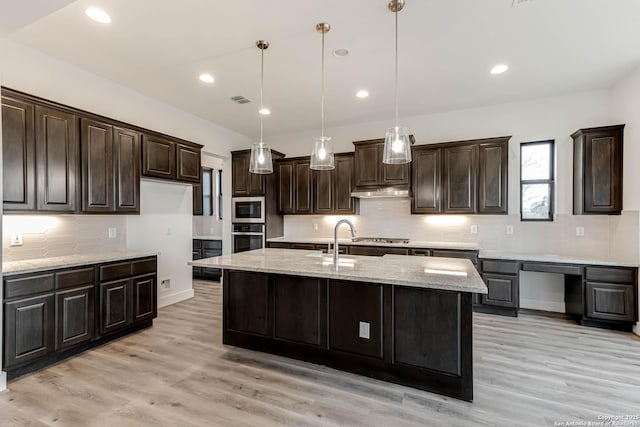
[[16, 14], [159, 47]]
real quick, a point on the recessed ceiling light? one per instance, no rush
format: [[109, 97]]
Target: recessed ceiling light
[[499, 69], [362, 94], [264, 111], [98, 15], [341, 52], [207, 78]]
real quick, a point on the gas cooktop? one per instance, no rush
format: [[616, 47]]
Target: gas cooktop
[[395, 240]]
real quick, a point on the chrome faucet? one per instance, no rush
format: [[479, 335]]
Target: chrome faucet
[[336, 252]]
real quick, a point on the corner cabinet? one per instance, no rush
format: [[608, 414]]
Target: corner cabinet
[[597, 170], [463, 177]]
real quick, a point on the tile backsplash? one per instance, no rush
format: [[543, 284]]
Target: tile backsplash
[[604, 236], [57, 235]]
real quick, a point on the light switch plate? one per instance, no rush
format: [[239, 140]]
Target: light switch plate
[[113, 233], [509, 229], [474, 229], [16, 239], [364, 330], [579, 231]]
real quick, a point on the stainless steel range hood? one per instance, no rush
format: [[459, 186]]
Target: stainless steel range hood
[[379, 193]]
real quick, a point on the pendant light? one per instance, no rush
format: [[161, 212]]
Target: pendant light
[[322, 154], [261, 162], [397, 146]]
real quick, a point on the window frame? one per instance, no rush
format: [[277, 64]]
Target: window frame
[[218, 192], [551, 181], [210, 205]]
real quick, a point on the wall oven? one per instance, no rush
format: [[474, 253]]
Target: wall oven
[[247, 210], [247, 237]]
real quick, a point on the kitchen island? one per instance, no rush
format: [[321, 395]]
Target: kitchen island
[[402, 319]]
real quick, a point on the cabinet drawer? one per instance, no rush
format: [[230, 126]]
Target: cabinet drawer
[[570, 269], [115, 271], [446, 253], [197, 244], [279, 245], [77, 277], [500, 267], [305, 246], [212, 244], [611, 275], [610, 301], [196, 255], [29, 285], [143, 266], [420, 252]]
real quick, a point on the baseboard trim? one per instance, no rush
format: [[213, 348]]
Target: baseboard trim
[[165, 300], [3, 380], [636, 329], [534, 304]]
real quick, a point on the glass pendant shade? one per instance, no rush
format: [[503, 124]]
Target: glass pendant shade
[[322, 155], [397, 146], [260, 161]]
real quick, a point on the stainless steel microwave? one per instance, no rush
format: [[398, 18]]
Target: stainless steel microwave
[[247, 209]]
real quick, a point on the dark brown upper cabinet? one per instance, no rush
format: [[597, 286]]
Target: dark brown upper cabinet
[[158, 157], [285, 186], [188, 163], [332, 188], [302, 190], [110, 168], [427, 180], [463, 177], [57, 160], [371, 173], [245, 183], [18, 154], [597, 170]]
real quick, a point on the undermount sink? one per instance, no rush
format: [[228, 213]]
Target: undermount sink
[[327, 259]]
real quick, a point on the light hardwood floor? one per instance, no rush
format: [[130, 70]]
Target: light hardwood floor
[[532, 370]]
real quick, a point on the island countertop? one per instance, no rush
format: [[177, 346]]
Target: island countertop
[[450, 274]]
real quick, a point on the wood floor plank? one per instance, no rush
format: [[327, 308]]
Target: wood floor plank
[[530, 370]]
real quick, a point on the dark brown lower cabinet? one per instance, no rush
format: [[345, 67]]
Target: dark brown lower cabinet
[[376, 250], [145, 301], [502, 280], [75, 310], [115, 306], [407, 335], [610, 301], [503, 290], [29, 329]]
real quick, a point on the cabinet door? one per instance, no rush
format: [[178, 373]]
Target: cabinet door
[[460, 179], [29, 329], [300, 310], [302, 187], [343, 185], [493, 159], [603, 172], [503, 290], [188, 159], [96, 146], [158, 157], [75, 317], [257, 183], [285, 187], [395, 175], [240, 174], [368, 162], [115, 306], [247, 303], [427, 173], [57, 154], [144, 302], [126, 150], [211, 273], [323, 194], [18, 155], [609, 301]]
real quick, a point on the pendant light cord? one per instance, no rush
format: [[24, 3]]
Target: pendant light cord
[[396, 71], [261, 88], [322, 90]]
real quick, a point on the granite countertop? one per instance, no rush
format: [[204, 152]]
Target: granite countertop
[[424, 272], [412, 244], [556, 258], [10, 268], [207, 237]]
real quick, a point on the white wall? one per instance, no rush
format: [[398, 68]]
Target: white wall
[[164, 226], [549, 118], [625, 108]]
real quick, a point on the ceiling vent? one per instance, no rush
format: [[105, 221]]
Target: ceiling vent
[[520, 2], [240, 99]]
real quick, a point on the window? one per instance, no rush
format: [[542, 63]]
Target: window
[[536, 181], [207, 187], [219, 194]]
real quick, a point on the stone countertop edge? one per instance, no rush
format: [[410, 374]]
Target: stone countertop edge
[[390, 269], [553, 258], [206, 237], [412, 244], [12, 268]]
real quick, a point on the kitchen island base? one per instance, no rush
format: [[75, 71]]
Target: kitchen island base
[[414, 336]]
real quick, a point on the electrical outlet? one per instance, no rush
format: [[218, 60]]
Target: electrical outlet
[[165, 284], [113, 233], [474, 229], [315, 226], [16, 239], [509, 229], [364, 330], [580, 231]]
